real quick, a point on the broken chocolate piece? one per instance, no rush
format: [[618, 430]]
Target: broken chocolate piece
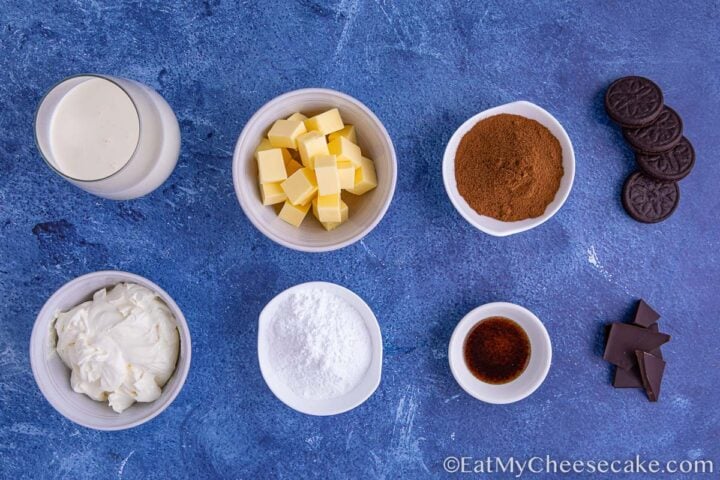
[[629, 378], [651, 371], [655, 351], [624, 339], [645, 316]]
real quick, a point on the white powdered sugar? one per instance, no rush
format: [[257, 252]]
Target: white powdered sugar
[[319, 344]]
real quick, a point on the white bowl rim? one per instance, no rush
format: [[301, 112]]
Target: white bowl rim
[[181, 370], [336, 405], [457, 341], [237, 170], [459, 202]]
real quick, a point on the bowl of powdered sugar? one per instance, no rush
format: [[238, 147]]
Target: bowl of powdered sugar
[[320, 348]]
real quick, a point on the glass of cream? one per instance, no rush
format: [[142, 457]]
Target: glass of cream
[[112, 137]]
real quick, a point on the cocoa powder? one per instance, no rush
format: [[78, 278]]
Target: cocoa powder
[[508, 167]]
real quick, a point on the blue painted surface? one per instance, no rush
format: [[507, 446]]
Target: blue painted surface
[[423, 70]]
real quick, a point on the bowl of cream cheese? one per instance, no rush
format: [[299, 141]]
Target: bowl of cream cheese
[[110, 350]]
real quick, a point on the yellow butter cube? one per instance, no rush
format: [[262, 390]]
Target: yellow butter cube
[[346, 171], [264, 145], [329, 208], [271, 166], [331, 225], [347, 132], [314, 207], [300, 187], [272, 193], [325, 123], [344, 213], [310, 145], [345, 150], [284, 133], [365, 177], [297, 117], [293, 214], [326, 172], [293, 166]]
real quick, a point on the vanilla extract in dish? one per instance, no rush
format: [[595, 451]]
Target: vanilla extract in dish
[[497, 350]]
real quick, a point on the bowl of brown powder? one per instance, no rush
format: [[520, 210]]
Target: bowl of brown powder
[[509, 169]]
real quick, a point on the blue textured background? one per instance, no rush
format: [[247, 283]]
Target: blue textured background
[[423, 70]]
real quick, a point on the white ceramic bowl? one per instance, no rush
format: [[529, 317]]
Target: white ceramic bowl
[[490, 225], [365, 211], [332, 406], [53, 376], [528, 381]]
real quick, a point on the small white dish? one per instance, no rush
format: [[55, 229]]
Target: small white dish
[[528, 381], [366, 211], [53, 376], [490, 225], [333, 406]]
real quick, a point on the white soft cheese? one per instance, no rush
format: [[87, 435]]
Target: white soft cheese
[[122, 346]]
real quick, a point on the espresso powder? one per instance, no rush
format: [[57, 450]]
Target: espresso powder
[[508, 167]]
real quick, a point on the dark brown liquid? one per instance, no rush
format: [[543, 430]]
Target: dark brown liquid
[[497, 350]]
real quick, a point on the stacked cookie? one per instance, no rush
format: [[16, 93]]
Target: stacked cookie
[[655, 133]]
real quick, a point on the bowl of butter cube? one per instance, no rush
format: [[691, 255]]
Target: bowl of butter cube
[[314, 170]]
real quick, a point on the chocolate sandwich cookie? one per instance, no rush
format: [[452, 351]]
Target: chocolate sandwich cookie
[[633, 101], [659, 136], [674, 164], [649, 200]]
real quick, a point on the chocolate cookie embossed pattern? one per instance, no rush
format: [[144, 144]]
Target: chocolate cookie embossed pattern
[[648, 200], [672, 165], [663, 154], [633, 101], [661, 135]]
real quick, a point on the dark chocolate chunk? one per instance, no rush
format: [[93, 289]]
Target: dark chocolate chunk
[[644, 315], [624, 339], [633, 101], [655, 351], [651, 372], [629, 378], [649, 200], [659, 136], [674, 164]]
